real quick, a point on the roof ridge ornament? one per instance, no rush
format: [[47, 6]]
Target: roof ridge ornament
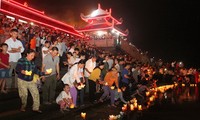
[[99, 6], [25, 4]]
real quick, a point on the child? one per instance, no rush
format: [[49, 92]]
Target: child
[[4, 66], [64, 99]]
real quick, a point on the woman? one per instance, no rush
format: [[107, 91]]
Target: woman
[[26, 69], [93, 78], [72, 78], [110, 83]]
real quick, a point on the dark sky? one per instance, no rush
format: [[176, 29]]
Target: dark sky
[[167, 29]]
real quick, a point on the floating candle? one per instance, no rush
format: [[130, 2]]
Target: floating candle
[[83, 115]]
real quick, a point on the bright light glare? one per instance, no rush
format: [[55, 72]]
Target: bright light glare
[[12, 18], [31, 23], [94, 13], [117, 33], [113, 30], [22, 21], [100, 33]]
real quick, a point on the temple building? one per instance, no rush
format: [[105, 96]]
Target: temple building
[[101, 29]]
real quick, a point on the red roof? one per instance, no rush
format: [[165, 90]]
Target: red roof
[[26, 13], [99, 14], [98, 27]]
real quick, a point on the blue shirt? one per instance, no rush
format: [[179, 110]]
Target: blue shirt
[[125, 80], [24, 64]]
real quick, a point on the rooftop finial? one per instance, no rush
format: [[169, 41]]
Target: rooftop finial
[[99, 5], [110, 10]]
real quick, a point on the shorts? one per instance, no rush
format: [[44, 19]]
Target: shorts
[[4, 73]]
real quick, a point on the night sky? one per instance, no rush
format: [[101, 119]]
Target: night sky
[[167, 29]]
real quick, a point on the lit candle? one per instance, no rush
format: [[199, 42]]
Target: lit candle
[[125, 105], [112, 87], [71, 106], [135, 105], [192, 85], [106, 84], [151, 99], [134, 100], [139, 107], [83, 115], [79, 87], [131, 107], [148, 103], [49, 70], [111, 117], [123, 109], [147, 93], [28, 72], [119, 90]]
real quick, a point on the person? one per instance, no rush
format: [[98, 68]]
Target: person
[[140, 90], [51, 61], [33, 42], [125, 81], [45, 49], [26, 69], [119, 95], [110, 84], [64, 99], [89, 67], [15, 48], [4, 66], [72, 78], [94, 77]]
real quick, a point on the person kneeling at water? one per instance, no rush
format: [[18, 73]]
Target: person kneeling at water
[[64, 99], [140, 90]]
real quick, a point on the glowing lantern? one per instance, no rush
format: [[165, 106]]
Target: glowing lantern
[[135, 105], [112, 87], [123, 109], [29, 73], [71, 106], [131, 107], [49, 70], [147, 93], [83, 115], [139, 107], [111, 117]]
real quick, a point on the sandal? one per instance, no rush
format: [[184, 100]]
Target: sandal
[[22, 109], [113, 106], [3, 91], [37, 111]]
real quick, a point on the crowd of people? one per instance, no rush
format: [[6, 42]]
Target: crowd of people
[[90, 70]]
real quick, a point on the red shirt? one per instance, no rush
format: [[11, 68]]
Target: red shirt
[[4, 59]]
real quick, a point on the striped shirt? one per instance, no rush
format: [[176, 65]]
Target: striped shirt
[[24, 64]]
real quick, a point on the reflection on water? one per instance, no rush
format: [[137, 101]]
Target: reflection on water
[[180, 94]]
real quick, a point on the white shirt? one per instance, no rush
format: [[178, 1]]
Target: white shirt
[[117, 67], [64, 47], [63, 95], [76, 60], [110, 63], [43, 40], [14, 57], [90, 66], [44, 49], [71, 50], [72, 75], [60, 51]]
